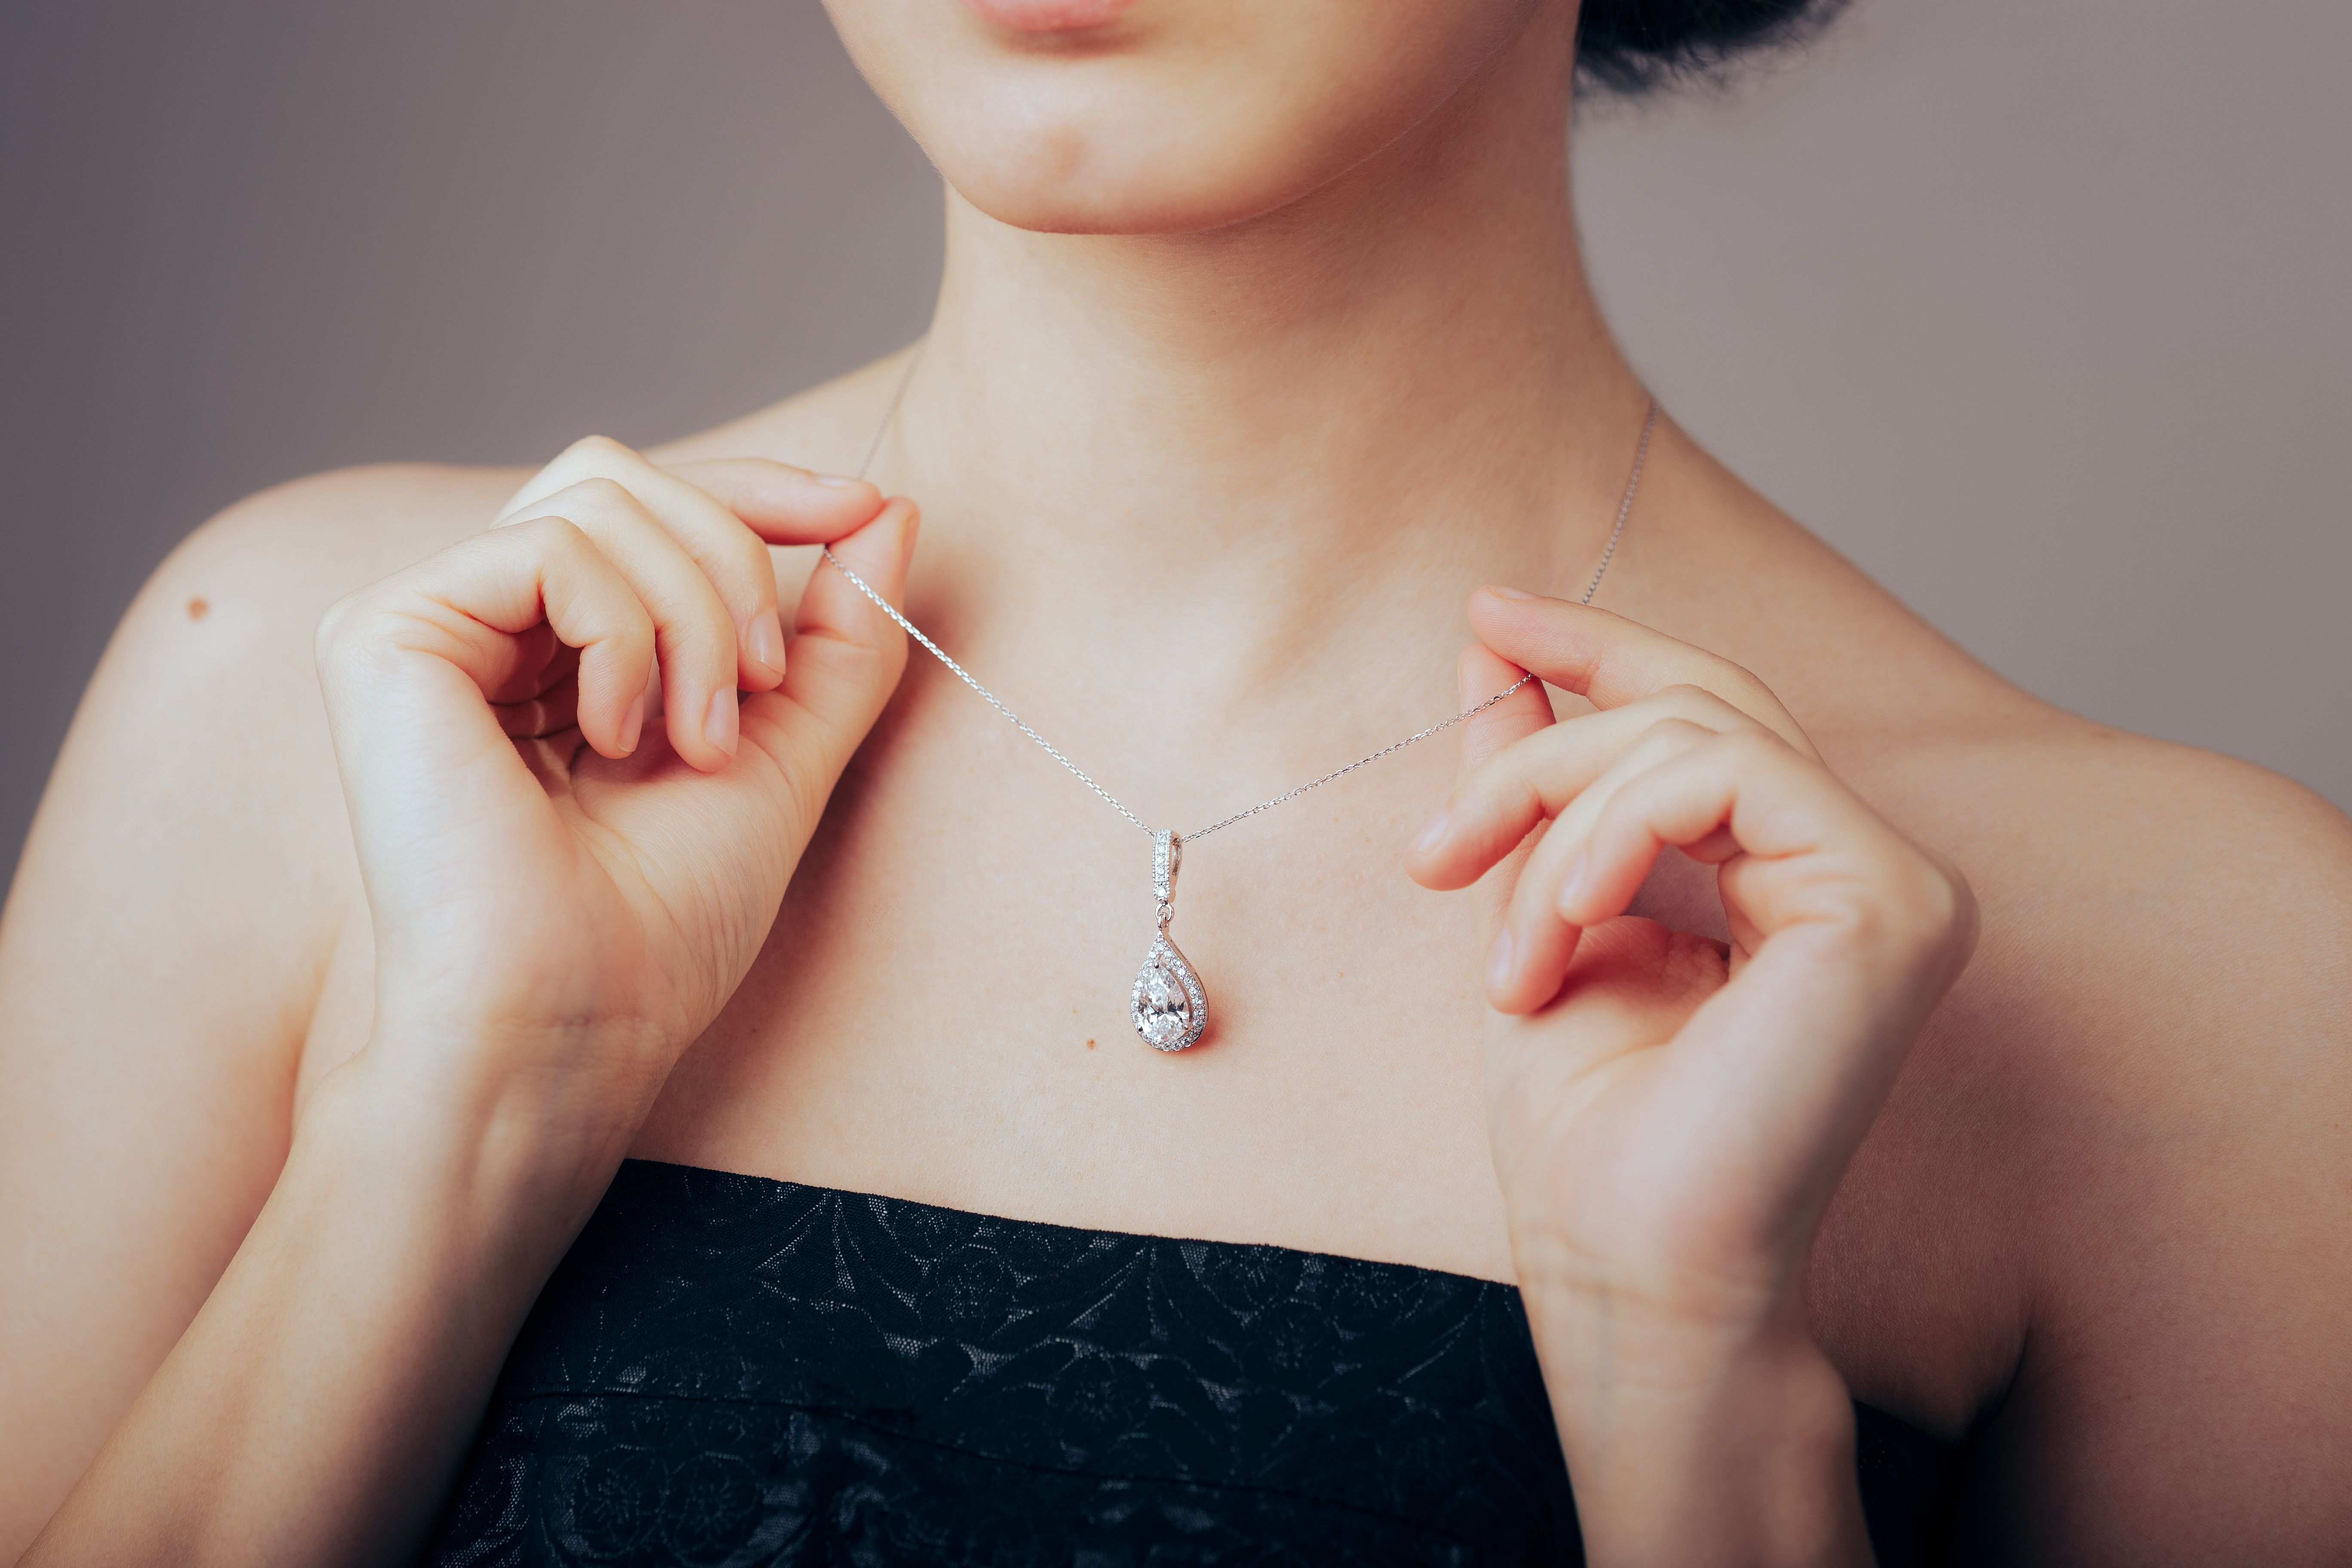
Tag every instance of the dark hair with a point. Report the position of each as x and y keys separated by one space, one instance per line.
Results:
x=1635 y=46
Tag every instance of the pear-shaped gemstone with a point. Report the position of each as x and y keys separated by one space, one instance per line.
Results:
x=1165 y=1008
x=1169 y=1007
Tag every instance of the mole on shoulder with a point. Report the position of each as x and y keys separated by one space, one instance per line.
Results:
x=196 y=608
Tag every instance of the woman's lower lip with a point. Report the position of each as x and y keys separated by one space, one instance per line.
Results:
x=1048 y=16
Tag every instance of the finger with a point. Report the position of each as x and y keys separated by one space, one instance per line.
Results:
x=1540 y=775
x=1531 y=955
x=774 y=504
x=722 y=511
x=1612 y=661
x=542 y=696
x=782 y=504
x=542 y=661
x=468 y=612
x=695 y=638
x=1803 y=850
x=1852 y=935
x=536 y=718
x=846 y=659
x=1480 y=675
x=594 y=609
x=1484 y=734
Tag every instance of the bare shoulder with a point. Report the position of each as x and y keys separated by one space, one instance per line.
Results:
x=2123 y=1141
x=264 y=569
x=218 y=641
x=196 y=783
x=231 y=612
x=2157 y=894
x=2161 y=1001
x=327 y=532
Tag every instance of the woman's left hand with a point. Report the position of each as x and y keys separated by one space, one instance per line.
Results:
x=1668 y=1118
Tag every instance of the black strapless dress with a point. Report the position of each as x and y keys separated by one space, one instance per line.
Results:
x=729 y=1370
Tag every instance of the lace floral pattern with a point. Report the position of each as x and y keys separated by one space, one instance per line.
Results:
x=732 y=1371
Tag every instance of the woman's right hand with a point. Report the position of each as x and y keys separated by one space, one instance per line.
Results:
x=564 y=890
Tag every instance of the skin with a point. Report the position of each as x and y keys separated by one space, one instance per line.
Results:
x=1216 y=436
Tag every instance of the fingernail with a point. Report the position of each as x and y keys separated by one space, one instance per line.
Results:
x=1498 y=962
x=765 y=642
x=1431 y=832
x=718 y=724
x=1500 y=592
x=1572 y=886
x=633 y=722
x=837 y=481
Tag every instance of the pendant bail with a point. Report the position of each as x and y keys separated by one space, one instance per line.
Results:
x=1167 y=855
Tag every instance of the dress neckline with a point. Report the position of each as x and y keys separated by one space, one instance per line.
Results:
x=1035 y=1226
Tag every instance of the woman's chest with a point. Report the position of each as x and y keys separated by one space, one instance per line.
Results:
x=943 y=1012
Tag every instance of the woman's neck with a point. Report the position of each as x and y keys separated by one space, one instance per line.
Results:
x=1326 y=423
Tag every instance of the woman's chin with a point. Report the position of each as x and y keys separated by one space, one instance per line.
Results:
x=1093 y=185
x=1093 y=118
x=1086 y=209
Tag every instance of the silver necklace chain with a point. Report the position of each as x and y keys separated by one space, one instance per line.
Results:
x=881 y=433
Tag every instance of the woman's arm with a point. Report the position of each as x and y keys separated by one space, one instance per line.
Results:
x=552 y=921
x=161 y=950
x=315 y=1409
x=2176 y=1177
x=1669 y=1120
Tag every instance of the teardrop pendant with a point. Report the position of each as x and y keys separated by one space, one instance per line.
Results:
x=1170 y=1009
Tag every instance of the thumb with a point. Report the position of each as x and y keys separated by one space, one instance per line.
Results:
x=1485 y=672
x=844 y=660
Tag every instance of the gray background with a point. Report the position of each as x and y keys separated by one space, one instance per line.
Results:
x=2036 y=311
